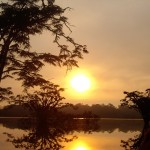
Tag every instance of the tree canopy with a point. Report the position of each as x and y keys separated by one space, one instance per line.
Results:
x=19 y=19
x=140 y=101
x=42 y=103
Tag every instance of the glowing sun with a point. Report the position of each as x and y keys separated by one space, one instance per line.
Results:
x=80 y=83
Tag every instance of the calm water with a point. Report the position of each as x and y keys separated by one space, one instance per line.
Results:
x=79 y=134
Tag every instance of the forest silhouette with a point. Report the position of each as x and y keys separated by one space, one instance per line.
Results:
x=77 y=111
x=19 y=21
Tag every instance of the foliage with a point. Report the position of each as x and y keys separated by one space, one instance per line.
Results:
x=136 y=100
x=43 y=102
x=140 y=101
x=5 y=94
x=21 y=19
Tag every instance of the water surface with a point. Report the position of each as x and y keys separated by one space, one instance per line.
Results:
x=78 y=134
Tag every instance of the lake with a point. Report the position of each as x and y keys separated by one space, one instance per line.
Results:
x=77 y=134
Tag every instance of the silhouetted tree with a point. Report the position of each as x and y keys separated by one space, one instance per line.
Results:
x=42 y=103
x=139 y=101
x=19 y=20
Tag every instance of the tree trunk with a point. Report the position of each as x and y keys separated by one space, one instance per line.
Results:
x=146 y=123
x=3 y=57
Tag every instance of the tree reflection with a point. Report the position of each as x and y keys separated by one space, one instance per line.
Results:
x=51 y=134
x=139 y=142
x=42 y=136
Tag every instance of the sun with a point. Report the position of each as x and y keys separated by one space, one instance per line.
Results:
x=80 y=148
x=80 y=83
x=80 y=145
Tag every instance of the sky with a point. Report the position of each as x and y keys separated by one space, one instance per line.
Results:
x=117 y=35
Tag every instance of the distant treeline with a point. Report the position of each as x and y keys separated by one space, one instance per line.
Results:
x=78 y=111
x=100 y=111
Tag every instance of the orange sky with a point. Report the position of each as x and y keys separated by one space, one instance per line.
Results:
x=117 y=35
